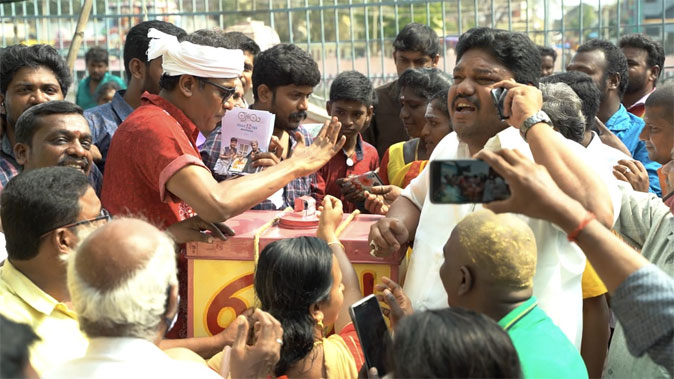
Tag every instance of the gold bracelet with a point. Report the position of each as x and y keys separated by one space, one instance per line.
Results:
x=337 y=243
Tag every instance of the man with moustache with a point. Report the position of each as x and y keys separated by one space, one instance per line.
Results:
x=283 y=79
x=29 y=75
x=487 y=59
x=154 y=169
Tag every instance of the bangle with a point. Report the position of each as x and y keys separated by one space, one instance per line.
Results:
x=574 y=234
x=337 y=243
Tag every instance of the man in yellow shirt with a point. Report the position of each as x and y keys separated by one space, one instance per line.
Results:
x=41 y=212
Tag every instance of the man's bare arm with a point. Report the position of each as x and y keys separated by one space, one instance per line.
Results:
x=216 y=202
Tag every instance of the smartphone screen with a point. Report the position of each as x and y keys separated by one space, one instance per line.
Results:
x=463 y=181
x=372 y=332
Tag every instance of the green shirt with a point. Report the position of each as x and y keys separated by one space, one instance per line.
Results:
x=87 y=100
x=544 y=350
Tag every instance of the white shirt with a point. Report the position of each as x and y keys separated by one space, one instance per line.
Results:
x=557 y=282
x=127 y=358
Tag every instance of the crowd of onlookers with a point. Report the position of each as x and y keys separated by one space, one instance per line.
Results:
x=569 y=276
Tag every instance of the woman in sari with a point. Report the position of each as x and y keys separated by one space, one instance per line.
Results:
x=308 y=284
x=404 y=161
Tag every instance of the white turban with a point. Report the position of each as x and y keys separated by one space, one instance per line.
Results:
x=186 y=58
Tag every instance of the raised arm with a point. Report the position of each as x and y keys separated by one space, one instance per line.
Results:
x=535 y=194
x=549 y=149
x=216 y=202
x=331 y=217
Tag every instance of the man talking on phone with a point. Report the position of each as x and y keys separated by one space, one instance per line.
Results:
x=487 y=59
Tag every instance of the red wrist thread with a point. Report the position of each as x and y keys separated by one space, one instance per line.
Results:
x=574 y=234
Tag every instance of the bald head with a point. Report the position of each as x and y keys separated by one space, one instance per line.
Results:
x=501 y=248
x=120 y=277
x=114 y=252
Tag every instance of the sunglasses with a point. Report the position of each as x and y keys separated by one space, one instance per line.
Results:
x=225 y=92
x=104 y=216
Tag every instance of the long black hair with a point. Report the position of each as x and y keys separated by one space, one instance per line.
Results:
x=291 y=275
x=452 y=343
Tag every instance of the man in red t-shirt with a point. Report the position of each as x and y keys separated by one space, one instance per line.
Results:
x=154 y=169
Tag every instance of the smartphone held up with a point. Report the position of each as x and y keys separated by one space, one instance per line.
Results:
x=465 y=181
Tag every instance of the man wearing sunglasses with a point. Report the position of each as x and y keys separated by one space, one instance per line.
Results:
x=154 y=169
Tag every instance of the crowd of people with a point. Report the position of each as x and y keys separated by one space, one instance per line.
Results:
x=98 y=199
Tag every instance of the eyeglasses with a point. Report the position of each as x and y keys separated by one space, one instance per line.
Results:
x=225 y=92
x=104 y=216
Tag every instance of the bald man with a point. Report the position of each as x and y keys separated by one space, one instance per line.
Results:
x=489 y=267
x=123 y=284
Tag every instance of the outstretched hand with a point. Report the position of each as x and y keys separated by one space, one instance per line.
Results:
x=326 y=144
x=392 y=294
x=195 y=229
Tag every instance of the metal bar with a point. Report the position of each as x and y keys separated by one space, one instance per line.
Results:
x=639 y=16
x=353 y=47
x=382 y=48
x=599 y=19
x=308 y=21
x=367 y=42
x=475 y=8
x=290 y=22
x=337 y=49
x=323 y=57
x=444 y=36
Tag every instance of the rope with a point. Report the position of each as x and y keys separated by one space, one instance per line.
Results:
x=270 y=223
x=261 y=230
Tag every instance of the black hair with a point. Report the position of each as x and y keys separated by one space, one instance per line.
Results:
x=425 y=82
x=16 y=57
x=96 y=54
x=36 y=202
x=615 y=61
x=29 y=122
x=656 y=54
x=417 y=37
x=204 y=37
x=352 y=86
x=14 y=355
x=441 y=96
x=283 y=65
x=452 y=343
x=513 y=50
x=583 y=85
x=104 y=88
x=546 y=51
x=137 y=41
x=291 y=275
x=662 y=97
x=243 y=42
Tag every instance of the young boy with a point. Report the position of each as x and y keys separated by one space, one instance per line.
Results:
x=351 y=101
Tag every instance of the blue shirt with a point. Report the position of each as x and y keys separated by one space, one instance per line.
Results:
x=86 y=99
x=627 y=127
x=104 y=121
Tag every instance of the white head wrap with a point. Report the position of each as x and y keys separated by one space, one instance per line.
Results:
x=186 y=58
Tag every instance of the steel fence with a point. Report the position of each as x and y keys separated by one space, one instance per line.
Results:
x=345 y=34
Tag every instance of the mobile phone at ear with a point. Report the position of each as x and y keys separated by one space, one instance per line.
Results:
x=498 y=95
x=372 y=332
x=465 y=181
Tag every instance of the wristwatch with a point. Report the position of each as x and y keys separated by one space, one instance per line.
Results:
x=539 y=116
